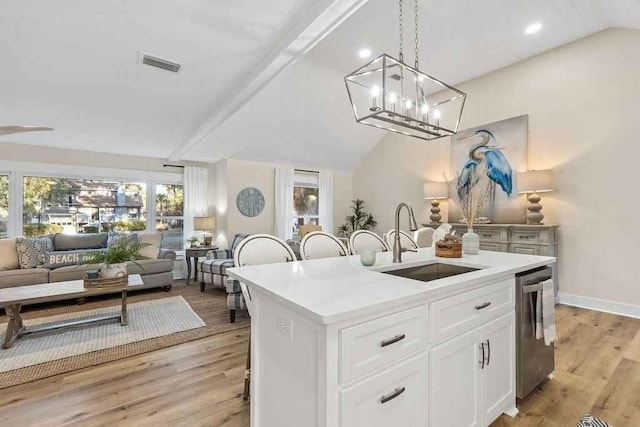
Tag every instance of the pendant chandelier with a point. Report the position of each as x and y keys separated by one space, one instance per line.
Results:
x=389 y=94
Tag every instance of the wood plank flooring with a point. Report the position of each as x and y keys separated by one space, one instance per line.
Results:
x=200 y=383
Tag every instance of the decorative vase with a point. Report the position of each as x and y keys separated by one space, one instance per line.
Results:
x=470 y=242
x=368 y=257
x=114 y=271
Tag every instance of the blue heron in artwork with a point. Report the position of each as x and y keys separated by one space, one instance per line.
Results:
x=486 y=158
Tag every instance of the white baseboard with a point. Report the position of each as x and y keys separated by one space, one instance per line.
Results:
x=600 y=305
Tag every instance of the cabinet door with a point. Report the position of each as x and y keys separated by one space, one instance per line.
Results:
x=498 y=375
x=455 y=381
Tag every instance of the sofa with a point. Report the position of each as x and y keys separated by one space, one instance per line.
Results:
x=61 y=259
x=213 y=270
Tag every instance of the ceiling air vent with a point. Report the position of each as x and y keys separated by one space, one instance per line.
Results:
x=157 y=62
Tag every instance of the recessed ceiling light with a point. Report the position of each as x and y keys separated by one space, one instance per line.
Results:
x=533 y=28
x=364 y=53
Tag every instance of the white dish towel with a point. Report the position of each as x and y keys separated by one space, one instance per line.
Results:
x=545 y=313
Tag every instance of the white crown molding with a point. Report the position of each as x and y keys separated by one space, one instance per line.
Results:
x=310 y=23
x=606 y=306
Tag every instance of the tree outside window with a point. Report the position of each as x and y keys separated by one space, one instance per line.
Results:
x=170 y=215
x=4 y=205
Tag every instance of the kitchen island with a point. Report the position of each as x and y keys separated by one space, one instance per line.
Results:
x=339 y=344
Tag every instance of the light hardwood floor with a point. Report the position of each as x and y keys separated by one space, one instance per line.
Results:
x=200 y=383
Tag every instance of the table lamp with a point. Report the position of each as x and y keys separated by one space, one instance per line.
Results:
x=434 y=191
x=206 y=224
x=532 y=183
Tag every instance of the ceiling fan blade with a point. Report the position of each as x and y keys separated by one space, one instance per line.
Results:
x=6 y=130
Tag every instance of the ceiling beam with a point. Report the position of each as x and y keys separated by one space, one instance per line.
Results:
x=311 y=21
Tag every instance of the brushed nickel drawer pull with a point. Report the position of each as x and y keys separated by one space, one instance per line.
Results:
x=393 y=340
x=397 y=392
x=488 y=236
x=483 y=305
x=488 y=352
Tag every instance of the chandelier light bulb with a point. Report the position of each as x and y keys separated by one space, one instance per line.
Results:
x=436 y=114
x=425 y=108
x=375 y=91
x=408 y=104
x=392 y=98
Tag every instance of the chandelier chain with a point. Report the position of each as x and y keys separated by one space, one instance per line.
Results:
x=416 y=29
x=401 y=56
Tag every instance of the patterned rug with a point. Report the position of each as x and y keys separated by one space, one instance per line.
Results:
x=157 y=320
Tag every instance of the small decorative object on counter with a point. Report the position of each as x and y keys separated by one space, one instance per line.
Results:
x=449 y=247
x=368 y=257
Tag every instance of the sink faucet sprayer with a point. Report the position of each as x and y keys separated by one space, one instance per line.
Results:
x=413 y=226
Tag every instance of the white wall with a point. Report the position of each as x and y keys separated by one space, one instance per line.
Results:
x=583 y=101
x=231 y=176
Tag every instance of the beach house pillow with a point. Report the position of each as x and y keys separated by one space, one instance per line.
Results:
x=153 y=240
x=8 y=254
x=117 y=237
x=31 y=250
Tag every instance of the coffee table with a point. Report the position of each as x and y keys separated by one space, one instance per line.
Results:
x=12 y=299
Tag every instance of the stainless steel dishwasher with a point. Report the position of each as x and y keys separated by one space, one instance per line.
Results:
x=534 y=360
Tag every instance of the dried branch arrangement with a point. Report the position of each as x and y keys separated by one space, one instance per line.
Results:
x=475 y=196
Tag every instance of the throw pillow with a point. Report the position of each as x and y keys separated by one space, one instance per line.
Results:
x=31 y=250
x=72 y=242
x=8 y=254
x=57 y=259
x=116 y=237
x=154 y=240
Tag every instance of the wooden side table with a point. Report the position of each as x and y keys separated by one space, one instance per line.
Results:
x=194 y=254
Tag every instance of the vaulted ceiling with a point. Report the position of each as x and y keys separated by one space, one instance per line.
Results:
x=73 y=65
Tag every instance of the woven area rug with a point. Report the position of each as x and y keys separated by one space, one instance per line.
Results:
x=170 y=318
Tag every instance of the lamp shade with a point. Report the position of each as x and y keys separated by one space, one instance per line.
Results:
x=436 y=190
x=204 y=223
x=535 y=181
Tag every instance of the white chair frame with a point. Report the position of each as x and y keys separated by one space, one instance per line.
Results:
x=310 y=238
x=406 y=241
x=353 y=245
x=237 y=259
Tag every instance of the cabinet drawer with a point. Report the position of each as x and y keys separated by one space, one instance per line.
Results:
x=375 y=344
x=490 y=246
x=456 y=314
x=397 y=397
x=524 y=249
x=489 y=235
x=525 y=236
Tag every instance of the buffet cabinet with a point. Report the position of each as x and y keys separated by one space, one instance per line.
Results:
x=516 y=238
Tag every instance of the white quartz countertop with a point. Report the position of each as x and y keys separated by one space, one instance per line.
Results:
x=337 y=289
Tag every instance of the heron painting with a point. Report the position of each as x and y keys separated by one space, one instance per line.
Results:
x=484 y=160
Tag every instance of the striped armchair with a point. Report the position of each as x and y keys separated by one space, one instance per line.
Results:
x=213 y=270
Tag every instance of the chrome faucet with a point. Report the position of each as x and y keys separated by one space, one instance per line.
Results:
x=413 y=226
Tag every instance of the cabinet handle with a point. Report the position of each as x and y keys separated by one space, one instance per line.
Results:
x=483 y=305
x=481 y=362
x=393 y=340
x=387 y=397
x=488 y=352
x=488 y=236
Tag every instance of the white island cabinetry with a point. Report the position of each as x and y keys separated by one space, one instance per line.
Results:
x=337 y=344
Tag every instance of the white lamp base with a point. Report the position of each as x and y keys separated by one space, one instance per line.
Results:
x=534 y=216
x=435 y=212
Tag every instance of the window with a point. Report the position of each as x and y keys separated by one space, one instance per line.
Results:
x=170 y=215
x=73 y=206
x=305 y=199
x=4 y=205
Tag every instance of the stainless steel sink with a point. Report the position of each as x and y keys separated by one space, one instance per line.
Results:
x=427 y=273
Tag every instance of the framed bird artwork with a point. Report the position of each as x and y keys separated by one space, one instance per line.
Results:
x=493 y=153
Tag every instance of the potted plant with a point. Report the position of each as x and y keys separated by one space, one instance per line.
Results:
x=360 y=220
x=193 y=241
x=113 y=261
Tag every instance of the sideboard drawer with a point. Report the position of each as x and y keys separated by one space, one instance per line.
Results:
x=524 y=249
x=398 y=397
x=488 y=235
x=456 y=314
x=373 y=345
x=525 y=237
x=492 y=246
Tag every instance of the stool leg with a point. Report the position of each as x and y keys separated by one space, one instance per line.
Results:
x=232 y=316
x=247 y=373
